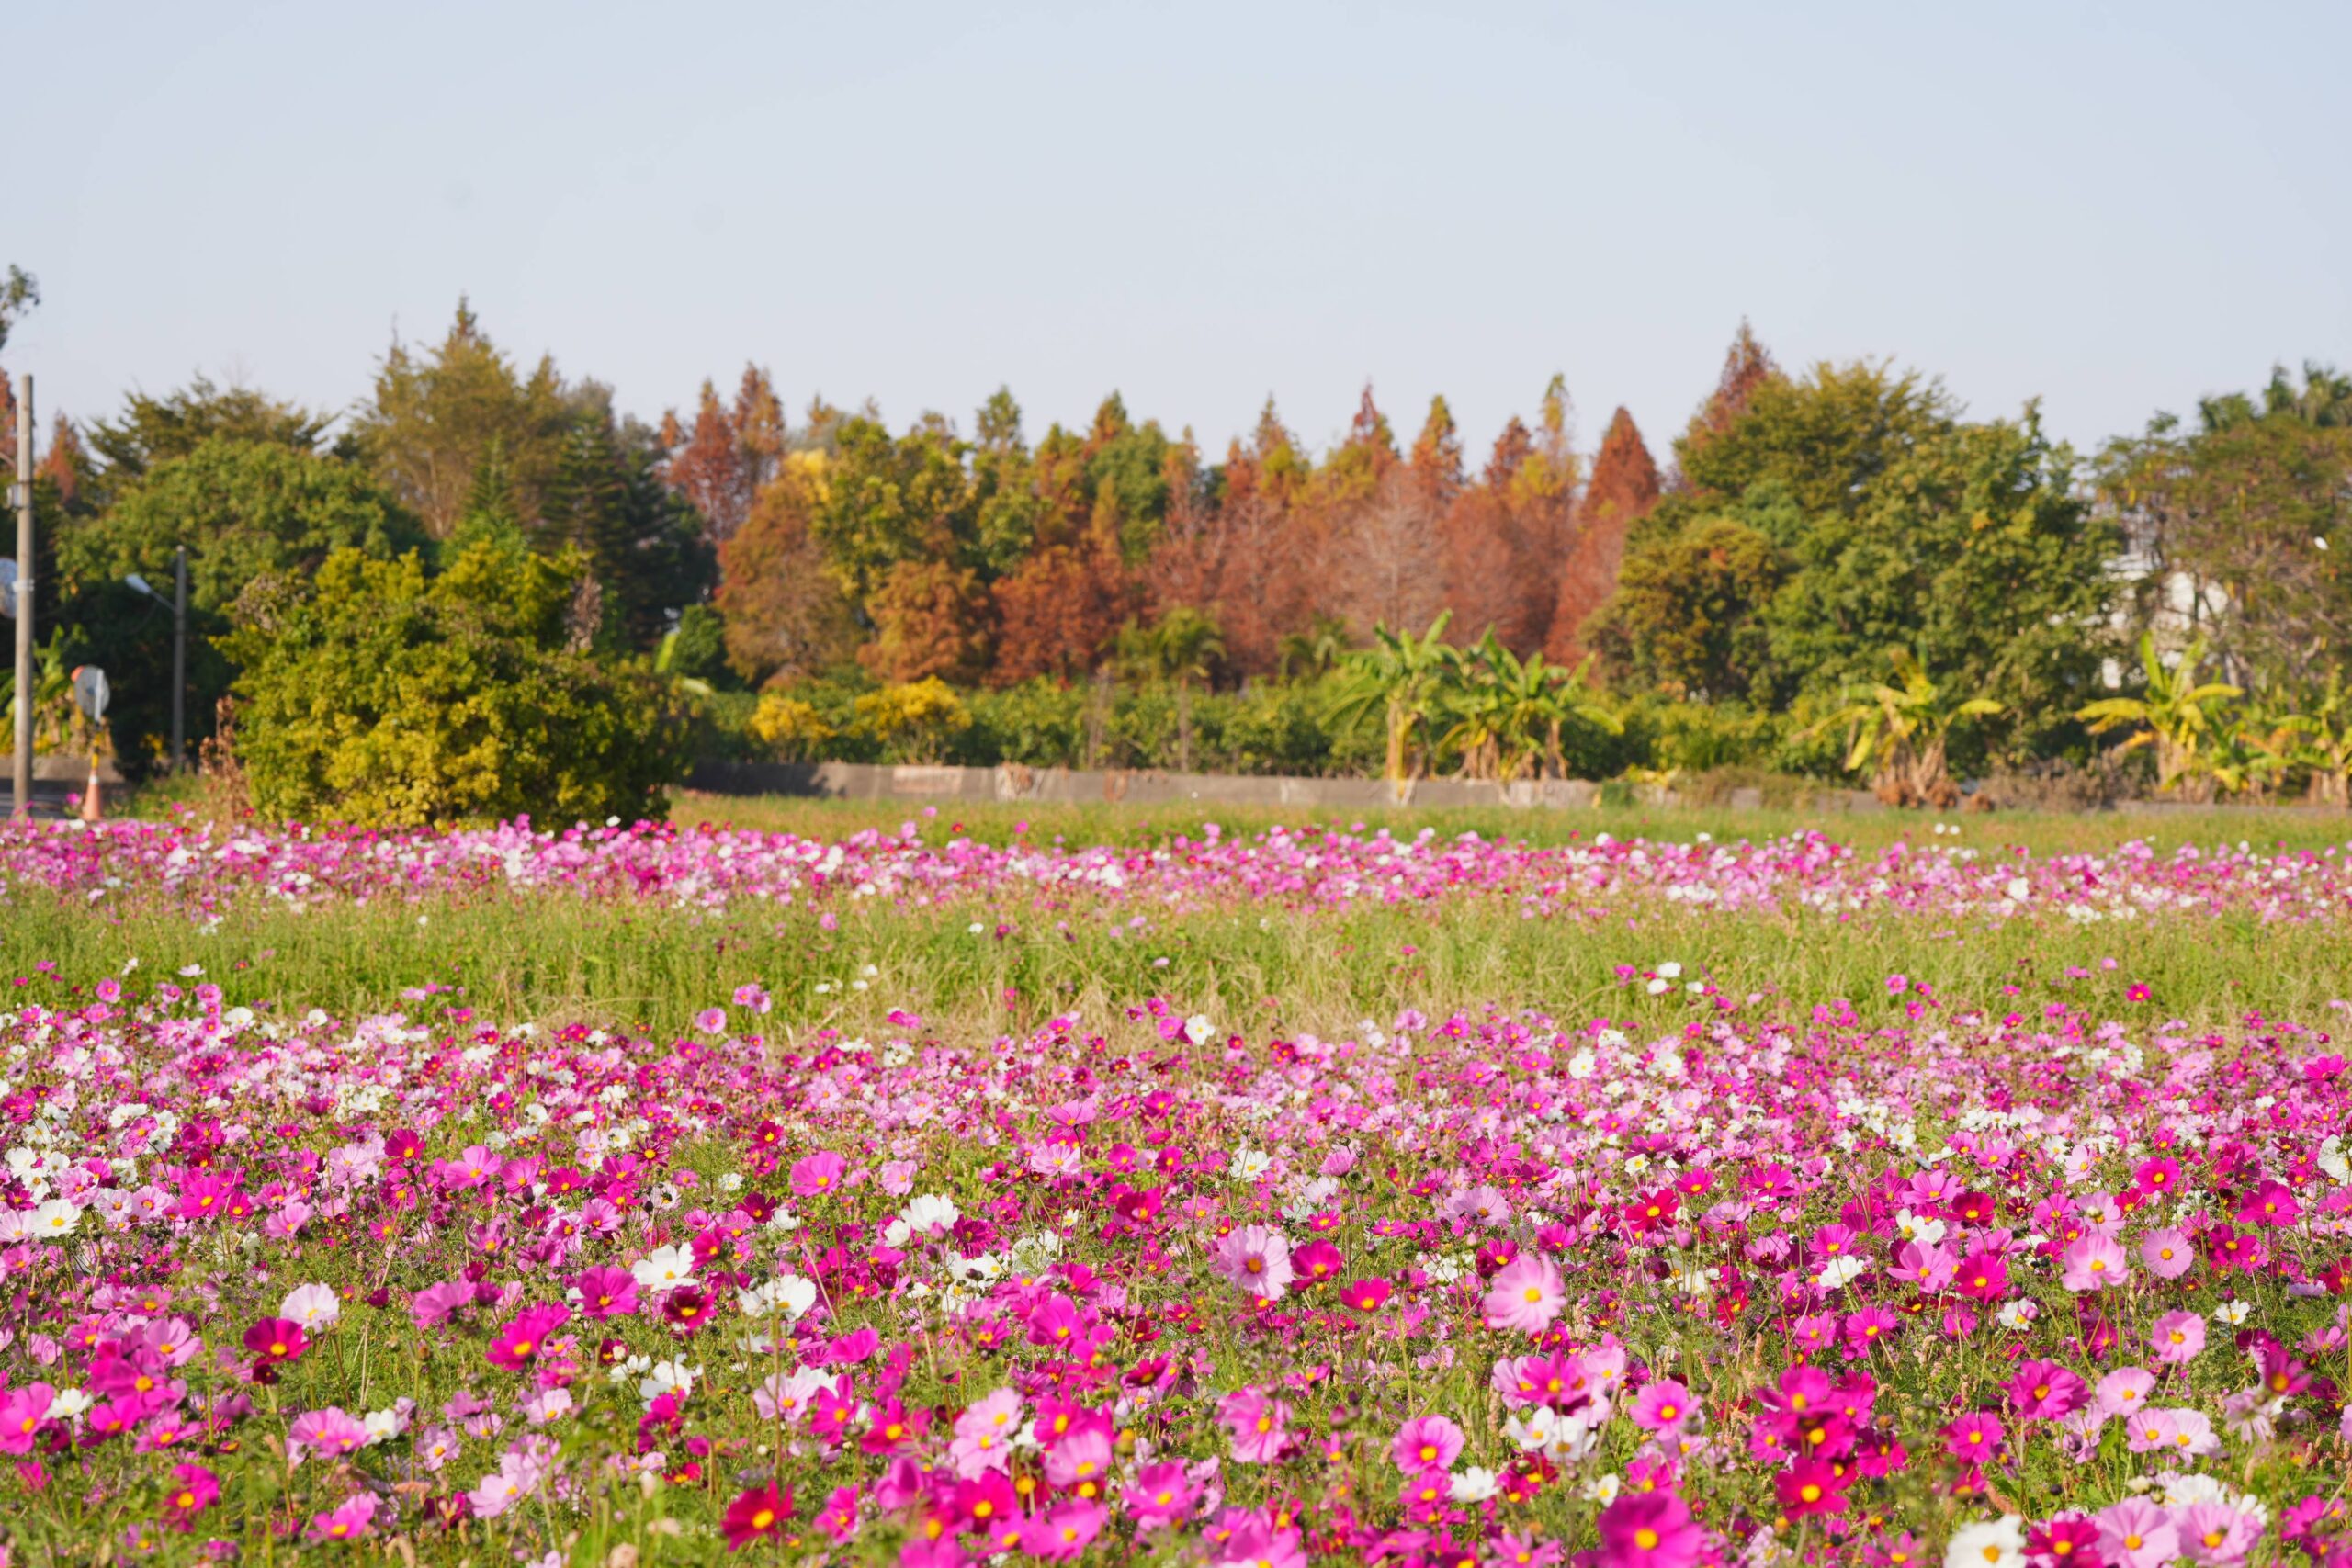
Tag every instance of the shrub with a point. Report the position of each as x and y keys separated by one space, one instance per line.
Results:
x=913 y=721
x=790 y=729
x=378 y=694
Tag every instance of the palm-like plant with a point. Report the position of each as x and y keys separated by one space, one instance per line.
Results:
x=1509 y=711
x=2321 y=740
x=54 y=709
x=1901 y=730
x=1183 y=647
x=2177 y=714
x=1402 y=678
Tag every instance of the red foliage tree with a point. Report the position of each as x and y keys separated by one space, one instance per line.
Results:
x=786 y=613
x=1059 y=610
x=1624 y=487
x=1748 y=364
x=930 y=618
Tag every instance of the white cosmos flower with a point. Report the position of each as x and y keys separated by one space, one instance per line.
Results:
x=664 y=1269
x=2000 y=1543
x=1843 y=1270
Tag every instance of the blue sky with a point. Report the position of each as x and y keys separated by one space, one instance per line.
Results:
x=2116 y=207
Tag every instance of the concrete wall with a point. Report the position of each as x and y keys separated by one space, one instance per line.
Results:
x=1064 y=786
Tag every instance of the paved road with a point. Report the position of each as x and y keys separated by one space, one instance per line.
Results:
x=50 y=797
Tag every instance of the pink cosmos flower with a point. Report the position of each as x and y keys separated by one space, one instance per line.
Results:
x=1256 y=1543
x=815 y=1176
x=526 y=1335
x=347 y=1521
x=2093 y=1262
x=2124 y=1392
x=1663 y=1406
x=1257 y=1258
x=2044 y=1390
x=1259 y=1425
x=2177 y=1337
x=711 y=1020
x=1649 y=1530
x=2271 y=1204
x=22 y=1410
x=1973 y=1438
x=2167 y=1252
x=2136 y=1533
x=605 y=1291
x=1159 y=1495
x=1426 y=1442
x=1526 y=1295
x=327 y=1431
x=1063 y=1531
x=193 y=1490
x=2215 y=1533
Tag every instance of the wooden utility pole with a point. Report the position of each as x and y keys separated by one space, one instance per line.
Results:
x=24 y=778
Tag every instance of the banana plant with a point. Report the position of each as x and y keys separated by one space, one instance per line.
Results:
x=1509 y=711
x=53 y=710
x=1404 y=679
x=2321 y=742
x=2176 y=714
x=1901 y=730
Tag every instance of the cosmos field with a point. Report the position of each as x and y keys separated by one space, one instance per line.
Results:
x=862 y=1192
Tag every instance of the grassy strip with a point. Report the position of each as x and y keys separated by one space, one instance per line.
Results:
x=554 y=959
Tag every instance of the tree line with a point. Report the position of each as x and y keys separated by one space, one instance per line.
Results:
x=1809 y=536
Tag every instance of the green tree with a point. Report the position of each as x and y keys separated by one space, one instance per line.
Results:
x=245 y=511
x=644 y=543
x=2242 y=524
x=1510 y=712
x=376 y=693
x=1687 y=614
x=433 y=416
x=889 y=500
x=20 y=292
x=152 y=430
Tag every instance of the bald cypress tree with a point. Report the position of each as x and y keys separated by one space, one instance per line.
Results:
x=1624 y=487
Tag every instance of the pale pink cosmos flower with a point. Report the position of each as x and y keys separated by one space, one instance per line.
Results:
x=1259 y=1425
x=2124 y=1392
x=2169 y=1252
x=2216 y=1533
x=2177 y=1337
x=2151 y=1431
x=1256 y=1258
x=2136 y=1533
x=1527 y=1294
x=2094 y=1262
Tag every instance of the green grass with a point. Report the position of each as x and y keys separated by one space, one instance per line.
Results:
x=553 y=958
x=2042 y=832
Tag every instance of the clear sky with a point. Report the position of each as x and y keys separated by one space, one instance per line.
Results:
x=2114 y=206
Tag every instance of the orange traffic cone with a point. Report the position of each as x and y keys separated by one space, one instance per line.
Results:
x=92 y=807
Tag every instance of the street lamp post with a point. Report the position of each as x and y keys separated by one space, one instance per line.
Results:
x=179 y=660
x=178 y=602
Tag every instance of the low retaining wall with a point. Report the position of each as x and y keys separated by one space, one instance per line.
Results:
x=1069 y=786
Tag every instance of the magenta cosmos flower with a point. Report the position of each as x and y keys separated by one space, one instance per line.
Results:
x=1649 y=1530
x=1426 y=1442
